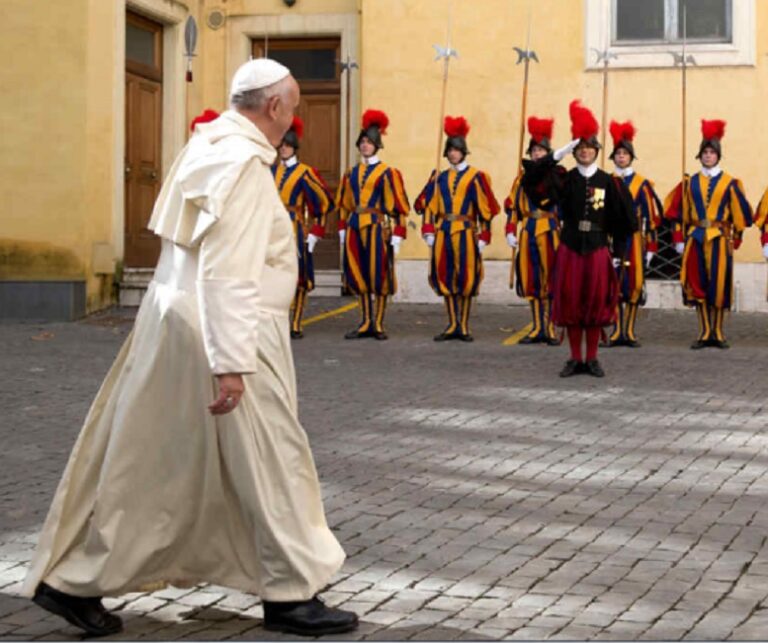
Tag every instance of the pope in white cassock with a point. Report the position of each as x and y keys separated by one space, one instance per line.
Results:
x=192 y=465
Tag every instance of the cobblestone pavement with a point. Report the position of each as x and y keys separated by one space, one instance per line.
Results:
x=478 y=495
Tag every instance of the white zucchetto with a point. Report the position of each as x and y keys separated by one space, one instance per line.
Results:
x=256 y=74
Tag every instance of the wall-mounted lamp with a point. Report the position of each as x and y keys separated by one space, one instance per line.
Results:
x=289 y=3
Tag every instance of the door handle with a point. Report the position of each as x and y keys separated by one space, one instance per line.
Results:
x=127 y=170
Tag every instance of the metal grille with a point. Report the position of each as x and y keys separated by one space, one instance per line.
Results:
x=665 y=264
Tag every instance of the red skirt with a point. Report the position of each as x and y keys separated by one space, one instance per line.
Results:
x=584 y=288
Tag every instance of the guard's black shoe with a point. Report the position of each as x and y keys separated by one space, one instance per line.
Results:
x=86 y=613
x=612 y=343
x=307 y=618
x=553 y=341
x=698 y=344
x=530 y=339
x=594 y=368
x=380 y=335
x=466 y=337
x=633 y=343
x=572 y=367
x=296 y=334
x=358 y=334
x=720 y=343
x=445 y=336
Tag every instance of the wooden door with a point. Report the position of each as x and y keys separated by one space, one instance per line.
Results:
x=314 y=64
x=143 y=130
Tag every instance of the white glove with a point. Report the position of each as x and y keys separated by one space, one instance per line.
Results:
x=616 y=263
x=649 y=254
x=511 y=240
x=312 y=242
x=396 y=241
x=481 y=245
x=680 y=247
x=560 y=154
x=765 y=250
x=342 y=235
x=429 y=239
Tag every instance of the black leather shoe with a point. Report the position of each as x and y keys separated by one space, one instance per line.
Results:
x=528 y=339
x=307 y=618
x=358 y=334
x=612 y=343
x=296 y=334
x=553 y=341
x=446 y=336
x=86 y=613
x=633 y=343
x=720 y=343
x=466 y=337
x=594 y=368
x=380 y=335
x=572 y=367
x=698 y=345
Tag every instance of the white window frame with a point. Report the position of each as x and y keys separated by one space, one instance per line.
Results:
x=600 y=20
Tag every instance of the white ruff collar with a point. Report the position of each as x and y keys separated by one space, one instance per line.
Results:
x=290 y=162
x=587 y=170
x=624 y=172
x=371 y=160
x=711 y=172
x=460 y=167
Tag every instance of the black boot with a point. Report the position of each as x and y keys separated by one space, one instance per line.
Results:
x=307 y=618
x=594 y=368
x=86 y=613
x=572 y=367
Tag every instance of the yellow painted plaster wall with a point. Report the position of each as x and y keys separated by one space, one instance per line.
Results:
x=215 y=82
x=401 y=77
x=56 y=148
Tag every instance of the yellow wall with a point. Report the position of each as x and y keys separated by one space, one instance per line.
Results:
x=401 y=77
x=56 y=148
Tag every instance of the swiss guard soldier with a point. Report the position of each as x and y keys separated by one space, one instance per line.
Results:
x=534 y=231
x=457 y=211
x=711 y=217
x=597 y=212
x=643 y=244
x=761 y=221
x=373 y=210
x=308 y=201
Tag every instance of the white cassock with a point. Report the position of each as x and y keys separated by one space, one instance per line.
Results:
x=157 y=490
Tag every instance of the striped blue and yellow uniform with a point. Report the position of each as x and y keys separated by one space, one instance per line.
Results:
x=537 y=231
x=459 y=214
x=372 y=206
x=761 y=218
x=711 y=216
x=648 y=208
x=308 y=201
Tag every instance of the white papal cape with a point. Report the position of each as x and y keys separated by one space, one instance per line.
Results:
x=157 y=490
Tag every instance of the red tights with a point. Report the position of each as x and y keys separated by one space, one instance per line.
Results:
x=574 y=339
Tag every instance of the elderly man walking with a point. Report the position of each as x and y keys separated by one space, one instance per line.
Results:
x=192 y=465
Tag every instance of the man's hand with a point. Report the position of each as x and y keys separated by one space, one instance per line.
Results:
x=429 y=239
x=342 y=235
x=481 y=245
x=679 y=247
x=511 y=240
x=561 y=153
x=649 y=254
x=312 y=241
x=396 y=241
x=616 y=263
x=231 y=389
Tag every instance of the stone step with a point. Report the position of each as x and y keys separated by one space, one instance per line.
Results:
x=327 y=283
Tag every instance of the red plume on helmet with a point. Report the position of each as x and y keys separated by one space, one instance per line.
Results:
x=375 y=118
x=712 y=130
x=298 y=126
x=540 y=129
x=456 y=126
x=583 y=122
x=622 y=132
x=206 y=117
